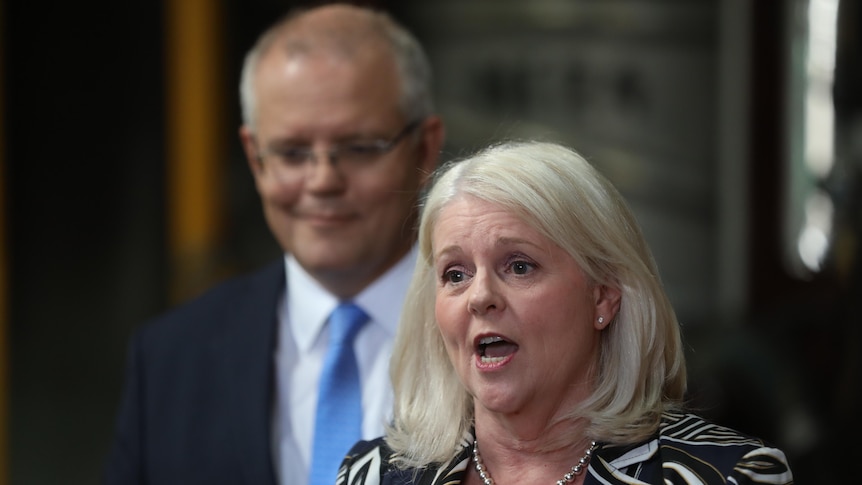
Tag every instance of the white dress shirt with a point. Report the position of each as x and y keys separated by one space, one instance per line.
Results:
x=303 y=337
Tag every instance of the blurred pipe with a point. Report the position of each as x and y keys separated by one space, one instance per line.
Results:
x=195 y=155
x=4 y=288
x=733 y=158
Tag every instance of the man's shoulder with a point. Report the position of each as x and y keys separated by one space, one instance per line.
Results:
x=226 y=301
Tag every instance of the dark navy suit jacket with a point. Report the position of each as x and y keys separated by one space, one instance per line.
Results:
x=198 y=394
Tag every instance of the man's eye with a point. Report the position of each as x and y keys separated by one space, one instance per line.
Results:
x=361 y=151
x=293 y=156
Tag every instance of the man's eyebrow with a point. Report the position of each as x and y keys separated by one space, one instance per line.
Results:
x=288 y=141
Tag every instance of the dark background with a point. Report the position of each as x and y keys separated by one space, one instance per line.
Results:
x=86 y=198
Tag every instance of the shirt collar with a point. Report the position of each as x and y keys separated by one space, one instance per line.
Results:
x=622 y=456
x=309 y=304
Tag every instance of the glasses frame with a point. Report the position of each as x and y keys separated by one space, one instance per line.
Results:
x=372 y=149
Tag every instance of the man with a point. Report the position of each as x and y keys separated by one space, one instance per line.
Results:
x=340 y=136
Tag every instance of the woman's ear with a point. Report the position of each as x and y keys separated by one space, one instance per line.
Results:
x=607 y=301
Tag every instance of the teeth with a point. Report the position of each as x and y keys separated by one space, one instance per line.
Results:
x=484 y=342
x=490 y=340
x=491 y=360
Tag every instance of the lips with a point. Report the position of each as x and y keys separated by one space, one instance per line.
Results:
x=326 y=217
x=494 y=349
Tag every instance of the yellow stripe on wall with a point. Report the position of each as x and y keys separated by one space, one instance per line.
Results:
x=195 y=153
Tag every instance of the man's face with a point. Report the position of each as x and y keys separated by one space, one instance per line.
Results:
x=345 y=222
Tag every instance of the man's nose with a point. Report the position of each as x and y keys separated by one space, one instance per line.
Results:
x=322 y=172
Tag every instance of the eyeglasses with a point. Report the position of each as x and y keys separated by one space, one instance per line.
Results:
x=288 y=160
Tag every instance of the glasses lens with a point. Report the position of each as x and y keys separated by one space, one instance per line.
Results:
x=361 y=152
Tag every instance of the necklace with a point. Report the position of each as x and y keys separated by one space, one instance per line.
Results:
x=568 y=477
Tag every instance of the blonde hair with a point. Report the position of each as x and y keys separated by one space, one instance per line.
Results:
x=641 y=368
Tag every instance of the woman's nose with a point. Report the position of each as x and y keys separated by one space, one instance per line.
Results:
x=484 y=294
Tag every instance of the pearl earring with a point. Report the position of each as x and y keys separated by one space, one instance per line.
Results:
x=601 y=319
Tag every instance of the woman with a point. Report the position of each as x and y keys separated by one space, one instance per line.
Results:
x=537 y=344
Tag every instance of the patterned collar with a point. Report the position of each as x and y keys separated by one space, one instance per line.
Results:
x=611 y=459
x=685 y=449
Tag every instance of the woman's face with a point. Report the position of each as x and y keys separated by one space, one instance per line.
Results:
x=517 y=315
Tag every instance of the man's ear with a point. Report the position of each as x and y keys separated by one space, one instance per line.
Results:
x=246 y=137
x=433 y=135
x=607 y=300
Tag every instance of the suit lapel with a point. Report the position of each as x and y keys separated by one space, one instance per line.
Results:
x=248 y=344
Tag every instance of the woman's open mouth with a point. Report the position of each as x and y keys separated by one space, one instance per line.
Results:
x=494 y=349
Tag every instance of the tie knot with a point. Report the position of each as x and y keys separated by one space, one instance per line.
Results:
x=345 y=322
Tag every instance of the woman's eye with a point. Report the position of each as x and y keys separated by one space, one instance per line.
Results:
x=521 y=267
x=453 y=276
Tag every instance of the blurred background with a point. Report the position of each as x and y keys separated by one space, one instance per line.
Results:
x=733 y=127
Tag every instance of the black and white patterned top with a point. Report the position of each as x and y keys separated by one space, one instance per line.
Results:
x=686 y=450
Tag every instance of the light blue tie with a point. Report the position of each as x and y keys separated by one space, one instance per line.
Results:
x=338 y=422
